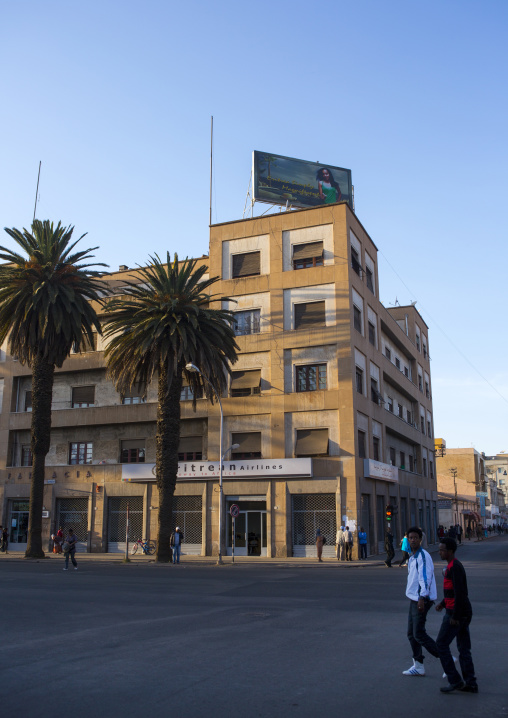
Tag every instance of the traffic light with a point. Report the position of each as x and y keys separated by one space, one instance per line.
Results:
x=389 y=512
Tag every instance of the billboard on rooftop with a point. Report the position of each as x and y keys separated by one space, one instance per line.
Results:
x=298 y=183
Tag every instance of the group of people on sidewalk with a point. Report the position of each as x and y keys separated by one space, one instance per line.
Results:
x=422 y=593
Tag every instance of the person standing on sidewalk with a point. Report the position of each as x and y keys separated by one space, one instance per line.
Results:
x=4 y=538
x=362 y=543
x=421 y=591
x=319 y=544
x=69 y=549
x=390 y=553
x=348 y=541
x=406 y=550
x=340 y=544
x=176 y=542
x=455 y=623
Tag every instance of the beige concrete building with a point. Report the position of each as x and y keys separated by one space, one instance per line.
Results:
x=330 y=404
x=460 y=477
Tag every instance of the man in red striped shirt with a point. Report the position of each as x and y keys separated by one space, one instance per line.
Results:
x=455 y=622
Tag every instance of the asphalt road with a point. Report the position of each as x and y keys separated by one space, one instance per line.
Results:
x=246 y=640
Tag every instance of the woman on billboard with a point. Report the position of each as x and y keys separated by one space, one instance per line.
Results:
x=329 y=190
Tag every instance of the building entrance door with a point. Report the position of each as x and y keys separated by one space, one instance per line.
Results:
x=250 y=528
x=18 y=525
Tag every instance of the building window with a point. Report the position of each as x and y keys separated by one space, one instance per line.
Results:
x=357 y=318
x=429 y=433
x=388 y=353
x=392 y=456
x=427 y=390
x=311 y=442
x=247 y=322
x=374 y=391
x=409 y=417
x=372 y=334
x=420 y=382
x=26 y=455
x=418 y=342
x=80 y=452
x=403 y=460
x=134 y=395
x=28 y=401
x=361 y=444
x=355 y=261
x=411 y=462
x=246 y=383
x=308 y=255
x=422 y=424
x=370 y=279
x=186 y=394
x=359 y=380
x=311 y=377
x=83 y=396
x=406 y=371
x=397 y=362
x=390 y=404
x=431 y=469
x=424 y=350
x=246 y=265
x=133 y=451
x=310 y=315
x=375 y=443
x=190 y=448
x=424 y=466
x=249 y=445
x=401 y=411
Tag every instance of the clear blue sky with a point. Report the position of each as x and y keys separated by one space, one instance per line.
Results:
x=115 y=98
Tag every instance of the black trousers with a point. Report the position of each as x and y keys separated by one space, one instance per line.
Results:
x=416 y=633
x=446 y=635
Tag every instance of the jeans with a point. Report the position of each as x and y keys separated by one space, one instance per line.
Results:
x=71 y=554
x=446 y=635
x=416 y=632
x=349 y=551
x=176 y=553
x=363 y=550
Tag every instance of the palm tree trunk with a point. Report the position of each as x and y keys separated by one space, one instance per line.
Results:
x=167 y=440
x=42 y=392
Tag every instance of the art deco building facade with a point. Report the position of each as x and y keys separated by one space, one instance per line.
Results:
x=329 y=403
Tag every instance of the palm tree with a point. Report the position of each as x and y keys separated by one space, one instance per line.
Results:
x=45 y=310
x=163 y=323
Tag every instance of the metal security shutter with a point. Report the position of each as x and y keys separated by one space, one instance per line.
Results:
x=188 y=515
x=307 y=251
x=72 y=514
x=135 y=390
x=311 y=314
x=311 y=512
x=246 y=265
x=311 y=442
x=83 y=395
x=190 y=444
x=249 y=442
x=117 y=520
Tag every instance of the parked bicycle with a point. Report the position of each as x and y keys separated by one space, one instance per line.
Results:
x=147 y=547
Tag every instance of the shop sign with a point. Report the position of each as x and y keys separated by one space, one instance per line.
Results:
x=377 y=470
x=244 y=468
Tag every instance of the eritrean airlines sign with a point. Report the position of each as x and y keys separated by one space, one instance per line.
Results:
x=202 y=470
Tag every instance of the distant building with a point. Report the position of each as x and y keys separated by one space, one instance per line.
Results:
x=330 y=404
x=496 y=468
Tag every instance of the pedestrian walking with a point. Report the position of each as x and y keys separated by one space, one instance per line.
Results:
x=69 y=549
x=390 y=553
x=5 y=539
x=176 y=541
x=348 y=543
x=340 y=544
x=319 y=544
x=425 y=543
x=458 y=615
x=58 y=541
x=421 y=591
x=362 y=543
x=406 y=550
x=459 y=533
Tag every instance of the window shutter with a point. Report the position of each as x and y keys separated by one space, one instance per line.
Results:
x=246 y=265
x=135 y=390
x=311 y=442
x=246 y=379
x=311 y=314
x=133 y=444
x=83 y=395
x=249 y=442
x=28 y=400
x=190 y=444
x=307 y=251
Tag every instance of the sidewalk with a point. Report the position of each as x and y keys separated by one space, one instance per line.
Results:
x=118 y=558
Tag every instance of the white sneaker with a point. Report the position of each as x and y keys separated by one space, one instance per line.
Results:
x=417 y=669
x=65 y=569
x=75 y=568
x=455 y=661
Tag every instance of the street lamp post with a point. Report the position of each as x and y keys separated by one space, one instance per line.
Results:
x=193 y=369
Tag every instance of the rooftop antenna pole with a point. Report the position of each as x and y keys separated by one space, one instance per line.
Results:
x=211 y=167
x=37 y=190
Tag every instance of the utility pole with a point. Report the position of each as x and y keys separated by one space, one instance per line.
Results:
x=454 y=472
